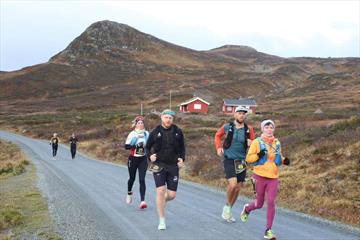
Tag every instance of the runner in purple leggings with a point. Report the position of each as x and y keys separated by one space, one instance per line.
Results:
x=265 y=155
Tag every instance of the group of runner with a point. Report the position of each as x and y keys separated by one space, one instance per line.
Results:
x=235 y=142
x=164 y=149
x=54 y=143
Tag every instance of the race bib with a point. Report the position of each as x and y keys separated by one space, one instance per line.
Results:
x=240 y=166
x=140 y=151
x=155 y=168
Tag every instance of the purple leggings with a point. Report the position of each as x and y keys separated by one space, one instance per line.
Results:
x=270 y=187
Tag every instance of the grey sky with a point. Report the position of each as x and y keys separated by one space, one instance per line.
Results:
x=33 y=31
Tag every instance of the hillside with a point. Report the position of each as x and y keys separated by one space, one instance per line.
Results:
x=109 y=62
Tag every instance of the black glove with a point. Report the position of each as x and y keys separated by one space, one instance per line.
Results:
x=261 y=153
x=286 y=161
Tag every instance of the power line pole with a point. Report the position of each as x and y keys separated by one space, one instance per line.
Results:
x=170 y=99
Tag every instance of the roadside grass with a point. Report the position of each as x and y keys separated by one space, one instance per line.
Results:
x=12 y=161
x=324 y=175
x=23 y=211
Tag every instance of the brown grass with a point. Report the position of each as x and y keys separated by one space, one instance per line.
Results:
x=23 y=211
x=12 y=161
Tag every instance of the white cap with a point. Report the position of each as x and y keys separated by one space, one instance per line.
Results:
x=265 y=122
x=241 y=109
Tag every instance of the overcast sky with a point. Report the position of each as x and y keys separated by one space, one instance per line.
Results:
x=33 y=31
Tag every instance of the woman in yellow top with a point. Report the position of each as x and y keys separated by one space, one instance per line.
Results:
x=265 y=155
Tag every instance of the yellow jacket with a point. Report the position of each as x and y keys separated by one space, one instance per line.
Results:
x=268 y=169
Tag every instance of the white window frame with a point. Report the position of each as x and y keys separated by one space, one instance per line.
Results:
x=197 y=106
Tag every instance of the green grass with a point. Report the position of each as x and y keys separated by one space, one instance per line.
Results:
x=10 y=217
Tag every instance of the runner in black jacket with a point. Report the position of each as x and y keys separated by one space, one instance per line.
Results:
x=73 y=143
x=166 y=151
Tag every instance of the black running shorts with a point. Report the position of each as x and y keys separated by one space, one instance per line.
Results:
x=229 y=168
x=169 y=175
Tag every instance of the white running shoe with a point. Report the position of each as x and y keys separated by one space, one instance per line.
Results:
x=162 y=224
x=231 y=219
x=129 y=199
x=227 y=215
x=226 y=212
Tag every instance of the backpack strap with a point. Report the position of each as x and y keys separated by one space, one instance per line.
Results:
x=278 y=160
x=247 y=136
x=229 y=135
x=264 y=159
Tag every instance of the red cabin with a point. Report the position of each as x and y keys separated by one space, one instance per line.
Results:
x=195 y=104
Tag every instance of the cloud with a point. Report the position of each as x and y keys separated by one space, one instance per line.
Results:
x=295 y=21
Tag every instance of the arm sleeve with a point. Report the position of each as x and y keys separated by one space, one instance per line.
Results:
x=252 y=155
x=218 y=136
x=182 y=146
x=252 y=134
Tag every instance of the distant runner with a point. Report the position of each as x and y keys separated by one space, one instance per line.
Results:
x=73 y=143
x=54 y=141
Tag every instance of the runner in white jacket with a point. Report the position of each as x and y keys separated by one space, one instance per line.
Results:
x=136 y=142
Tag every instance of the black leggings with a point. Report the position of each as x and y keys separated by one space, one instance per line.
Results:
x=73 y=150
x=135 y=163
x=54 y=149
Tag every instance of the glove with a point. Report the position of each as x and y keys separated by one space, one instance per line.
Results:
x=261 y=153
x=286 y=161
